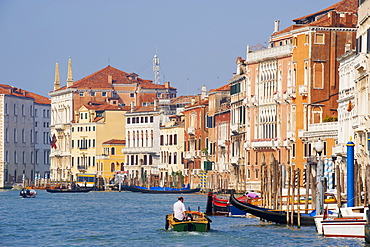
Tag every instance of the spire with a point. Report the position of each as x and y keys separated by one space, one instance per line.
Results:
x=69 y=76
x=57 y=77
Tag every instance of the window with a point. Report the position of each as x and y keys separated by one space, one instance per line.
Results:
x=15 y=135
x=151 y=119
x=112 y=167
x=22 y=110
x=6 y=108
x=104 y=94
x=92 y=93
x=128 y=120
x=15 y=110
x=23 y=136
x=114 y=95
x=81 y=94
x=15 y=157
x=319 y=38
x=132 y=95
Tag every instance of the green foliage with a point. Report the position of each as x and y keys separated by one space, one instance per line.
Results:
x=329 y=119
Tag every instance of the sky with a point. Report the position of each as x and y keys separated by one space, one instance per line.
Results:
x=197 y=41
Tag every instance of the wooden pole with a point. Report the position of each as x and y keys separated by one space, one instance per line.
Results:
x=313 y=189
x=338 y=186
x=299 y=198
x=288 y=195
x=308 y=182
x=367 y=182
x=293 y=195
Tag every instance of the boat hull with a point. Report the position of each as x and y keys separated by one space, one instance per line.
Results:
x=279 y=217
x=199 y=223
x=69 y=190
x=342 y=227
x=184 y=191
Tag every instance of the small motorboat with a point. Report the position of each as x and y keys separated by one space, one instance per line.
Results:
x=27 y=193
x=194 y=221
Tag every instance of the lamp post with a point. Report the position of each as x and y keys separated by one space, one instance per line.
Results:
x=319 y=147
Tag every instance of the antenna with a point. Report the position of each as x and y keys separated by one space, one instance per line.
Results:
x=157 y=76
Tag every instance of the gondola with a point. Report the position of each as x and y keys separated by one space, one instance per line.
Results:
x=161 y=191
x=279 y=217
x=79 y=190
x=27 y=193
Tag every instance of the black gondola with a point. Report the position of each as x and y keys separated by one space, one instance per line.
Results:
x=157 y=191
x=80 y=190
x=279 y=217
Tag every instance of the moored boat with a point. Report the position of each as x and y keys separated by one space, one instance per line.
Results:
x=194 y=221
x=350 y=224
x=276 y=216
x=77 y=190
x=160 y=190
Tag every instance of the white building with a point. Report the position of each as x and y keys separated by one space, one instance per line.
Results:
x=24 y=138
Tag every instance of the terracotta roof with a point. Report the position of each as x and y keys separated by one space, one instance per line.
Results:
x=97 y=119
x=183 y=99
x=223 y=88
x=99 y=80
x=9 y=90
x=342 y=6
x=114 y=141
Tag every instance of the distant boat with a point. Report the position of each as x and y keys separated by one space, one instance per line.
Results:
x=27 y=193
x=221 y=206
x=279 y=217
x=78 y=190
x=161 y=190
x=194 y=221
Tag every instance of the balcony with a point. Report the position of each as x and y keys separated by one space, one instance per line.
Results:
x=140 y=150
x=290 y=134
x=59 y=127
x=264 y=143
x=234 y=127
x=82 y=168
x=269 y=53
x=303 y=90
x=340 y=149
x=102 y=157
x=221 y=142
x=234 y=160
x=191 y=130
x=246 y=145
x=189 y=155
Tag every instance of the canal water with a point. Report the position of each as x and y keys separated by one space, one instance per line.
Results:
x=133 y=219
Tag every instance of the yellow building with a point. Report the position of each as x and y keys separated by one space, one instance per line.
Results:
x=94 y=127
x=111 y=161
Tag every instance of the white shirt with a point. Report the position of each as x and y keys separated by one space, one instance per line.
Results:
x=178 y=209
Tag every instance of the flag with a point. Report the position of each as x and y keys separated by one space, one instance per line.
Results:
x=53 y=142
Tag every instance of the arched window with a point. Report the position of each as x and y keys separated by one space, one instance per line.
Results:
x=122 y=166
x=112 y=167
x=113 y=151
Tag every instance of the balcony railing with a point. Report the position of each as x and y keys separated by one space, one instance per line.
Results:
x=303 y=90
x=234 y=160
x=82 y=167
x=234 y=127
x=191 y=130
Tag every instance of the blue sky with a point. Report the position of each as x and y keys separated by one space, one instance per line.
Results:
x=197 y=41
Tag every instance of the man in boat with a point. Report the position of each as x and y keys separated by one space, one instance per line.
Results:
x=179 y=209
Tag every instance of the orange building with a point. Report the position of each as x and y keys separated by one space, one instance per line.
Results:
x=318 y=40
x=195 y=140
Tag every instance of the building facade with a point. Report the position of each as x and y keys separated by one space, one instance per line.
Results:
x=25 y=139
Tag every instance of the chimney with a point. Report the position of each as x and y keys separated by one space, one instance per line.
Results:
x=204 y=92
x=348 y=19
x=132 y=106
x=155 y=104
x=167 y=84
x=276 y=26
x=193 y=101
x=110 y=79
